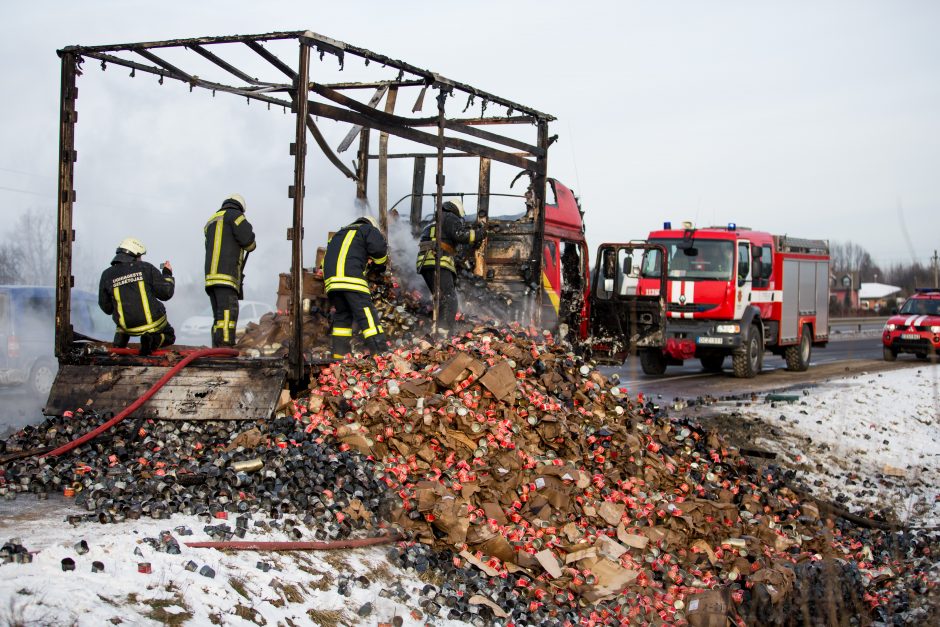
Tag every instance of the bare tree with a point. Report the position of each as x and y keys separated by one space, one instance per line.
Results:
x=852 y=258
x=28 y=254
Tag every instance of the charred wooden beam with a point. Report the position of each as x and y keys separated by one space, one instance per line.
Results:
x=417 y=195
x=68 y=115
x=295 y=356
x=345 y=115
x=351 y=135
x=198 y=82
x=433 y=155
x=225 y=65
x=271 y=58
x=383 y=164
x=325 y=147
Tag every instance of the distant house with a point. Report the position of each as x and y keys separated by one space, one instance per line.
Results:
x=878 y=296
x=843 y=292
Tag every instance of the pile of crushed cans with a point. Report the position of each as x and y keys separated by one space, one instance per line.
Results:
x=539 y=490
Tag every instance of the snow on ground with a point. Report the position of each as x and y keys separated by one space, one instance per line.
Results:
x=874 y=438
x=300 y=589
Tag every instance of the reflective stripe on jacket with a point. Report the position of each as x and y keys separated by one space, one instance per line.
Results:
x=347 y=254
x=455 y=231
x=130 y=291
x=229 y=237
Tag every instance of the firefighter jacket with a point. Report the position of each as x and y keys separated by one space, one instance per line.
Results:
x=455 y=231
x=229 y=237
x=348 y=252
x=130 y=291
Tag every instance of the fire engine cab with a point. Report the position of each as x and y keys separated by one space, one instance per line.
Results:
x=728 y=291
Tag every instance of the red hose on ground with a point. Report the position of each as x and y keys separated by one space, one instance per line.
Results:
x=295 y=546
x=169 y=374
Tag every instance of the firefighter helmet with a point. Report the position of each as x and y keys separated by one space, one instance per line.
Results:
x=240 y=200
x=454 y=206
x=132 y=246
x=368 y=220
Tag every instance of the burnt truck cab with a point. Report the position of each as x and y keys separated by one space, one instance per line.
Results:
x=509 y=263
x=733 y=291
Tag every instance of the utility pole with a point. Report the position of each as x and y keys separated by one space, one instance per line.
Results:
x=936 y=270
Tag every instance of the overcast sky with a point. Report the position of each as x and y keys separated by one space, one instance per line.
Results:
x=818 y=119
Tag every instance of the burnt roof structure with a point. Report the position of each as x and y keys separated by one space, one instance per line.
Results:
x=227 y=65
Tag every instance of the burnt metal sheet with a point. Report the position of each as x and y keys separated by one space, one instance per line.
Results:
x=195 y=393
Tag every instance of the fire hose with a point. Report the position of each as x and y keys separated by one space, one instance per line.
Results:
x=296 y=546
x=169 y=374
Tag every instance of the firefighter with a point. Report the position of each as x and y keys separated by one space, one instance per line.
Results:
x=229 y=239
x=130 y=292
x=454 y=231
x=348 y=253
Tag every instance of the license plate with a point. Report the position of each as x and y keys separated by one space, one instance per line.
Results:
x=710 y=340
x=910 y=336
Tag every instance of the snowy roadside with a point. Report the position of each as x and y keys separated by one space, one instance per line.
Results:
x=301 y=588
x=869 y=441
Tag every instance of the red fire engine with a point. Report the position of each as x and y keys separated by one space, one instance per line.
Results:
x=713 y=292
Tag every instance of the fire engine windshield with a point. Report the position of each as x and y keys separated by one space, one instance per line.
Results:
x=706 y=260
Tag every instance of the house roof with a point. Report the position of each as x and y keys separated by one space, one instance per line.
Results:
x=877 y=290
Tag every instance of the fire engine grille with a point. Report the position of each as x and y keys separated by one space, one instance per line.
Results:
x=689 y=307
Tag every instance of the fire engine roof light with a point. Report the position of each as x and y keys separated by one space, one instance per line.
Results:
x=667 y=226
x=927 y=290
x=732 y=226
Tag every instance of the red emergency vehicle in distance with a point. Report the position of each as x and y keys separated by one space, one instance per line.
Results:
x=915 y=328
x=735 y=291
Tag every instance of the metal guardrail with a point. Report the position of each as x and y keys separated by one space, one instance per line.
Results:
x=859 y=322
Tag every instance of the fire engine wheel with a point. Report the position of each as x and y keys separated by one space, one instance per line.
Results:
x=797 y=356
x=890 y=354
x=653 y=362
x=749 y=361
x=712 y=363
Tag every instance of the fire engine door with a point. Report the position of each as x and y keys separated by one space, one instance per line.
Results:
x=744 y=265
x=621 y=319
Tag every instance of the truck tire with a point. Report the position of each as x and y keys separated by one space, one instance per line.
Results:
x=653 y=362
x=750 y=360
x=890 y=354
x=41 y=376
x=797 y=356
x=713 y=362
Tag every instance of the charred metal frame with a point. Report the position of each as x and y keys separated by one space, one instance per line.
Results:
x=459 y=136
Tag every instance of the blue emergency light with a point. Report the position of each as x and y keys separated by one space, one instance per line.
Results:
x=667 y=226
x=926 y=290
x=732 y=226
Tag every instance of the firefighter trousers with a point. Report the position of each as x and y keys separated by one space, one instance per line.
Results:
x=149 y=342
x=447 y=314
x=355 y=307
x=224 y=301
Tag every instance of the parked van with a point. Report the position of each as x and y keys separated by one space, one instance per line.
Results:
x=27 y=330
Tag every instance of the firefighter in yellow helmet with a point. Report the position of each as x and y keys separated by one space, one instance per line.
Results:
x=130 y=292
x=229 y=239
x=348 y=253
x=454 y=231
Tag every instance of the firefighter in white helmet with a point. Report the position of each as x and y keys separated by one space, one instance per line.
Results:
x=229 y=239
x=130 y=292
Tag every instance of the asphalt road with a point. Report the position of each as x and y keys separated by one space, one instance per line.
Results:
x=845 y=356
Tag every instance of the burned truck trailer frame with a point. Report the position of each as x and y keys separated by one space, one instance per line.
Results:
x=483 y=136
